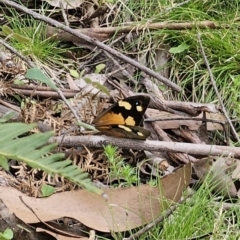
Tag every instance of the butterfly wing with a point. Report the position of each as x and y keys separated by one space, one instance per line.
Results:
x=125 y=131
x=128 y=111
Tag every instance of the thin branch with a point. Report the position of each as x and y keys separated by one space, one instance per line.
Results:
x=161 y=119
x=124 y=72
x=148 y=145
x=63 y=13
x=135 y=26
x=216 y=90
x=93 y=41
x=14 y=51
x=46 y=94
x=104 y=33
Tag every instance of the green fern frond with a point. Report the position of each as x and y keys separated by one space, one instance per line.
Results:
x=33 y=151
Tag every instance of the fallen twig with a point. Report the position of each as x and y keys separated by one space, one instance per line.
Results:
x=44 y=92
x=103 y=33
x=130 y=27
x=40 y=88
x=13 y=50
x=148 y=145
x=182 y=119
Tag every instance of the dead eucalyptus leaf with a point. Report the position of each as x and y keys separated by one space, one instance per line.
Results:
x=125 y=209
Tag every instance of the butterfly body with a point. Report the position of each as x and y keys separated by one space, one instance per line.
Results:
x=123 y=119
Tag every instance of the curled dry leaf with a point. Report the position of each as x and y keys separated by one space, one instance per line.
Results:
x=155 y=165
x=222 y=181
x=221 y=174
x=160 y=163
x=125 y=209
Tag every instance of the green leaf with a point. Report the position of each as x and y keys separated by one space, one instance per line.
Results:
x=7 y=234
x=82 y=73
x=87 y=80
x=100 y=67
x=7 y=116
x=16 y=36
x=18 y=98
x=74 y=73
x=21 y=38
x=7 y=30
x=97 y=85
x=37 y=74
x=179 y=49
x=7 y=133
x=4 y=163
x=33 y=151
x=101 y=88
x=47 y=190
x=18 y=82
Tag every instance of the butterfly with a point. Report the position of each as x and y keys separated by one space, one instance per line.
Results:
x=123 y=118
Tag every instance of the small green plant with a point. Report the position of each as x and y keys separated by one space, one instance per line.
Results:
x=119 y=170
x=152 y=182
x=97 y=85
x=47 y=190
x=100 y=67
x=6 y=235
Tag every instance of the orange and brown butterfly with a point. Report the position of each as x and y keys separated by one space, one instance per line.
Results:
x=123 y=118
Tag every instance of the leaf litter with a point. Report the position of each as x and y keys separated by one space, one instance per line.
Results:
x=126 y=208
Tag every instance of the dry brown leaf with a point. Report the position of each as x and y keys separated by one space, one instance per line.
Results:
x=126 y=208
x=222 y=170
x=222 y=181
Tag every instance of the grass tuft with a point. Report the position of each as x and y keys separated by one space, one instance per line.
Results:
x=29 y=37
